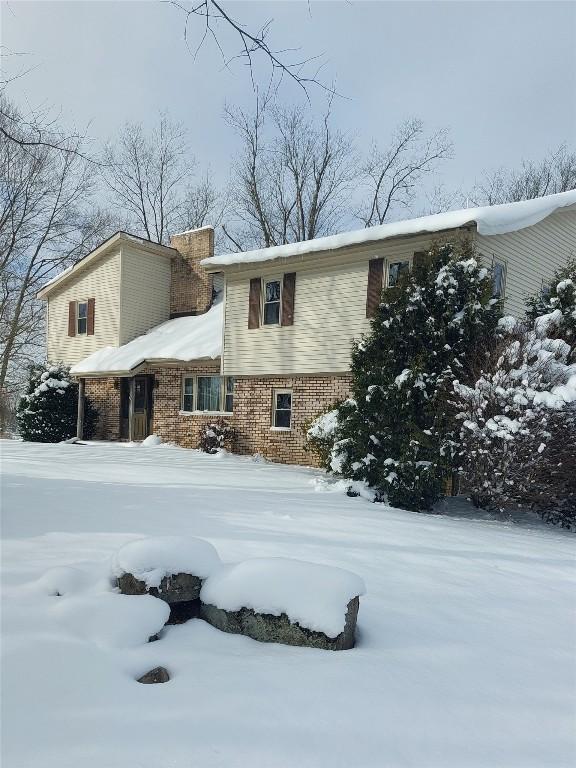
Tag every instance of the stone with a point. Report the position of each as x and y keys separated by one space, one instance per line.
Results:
x=156 y=675
x=178 y=588
x=267 y=628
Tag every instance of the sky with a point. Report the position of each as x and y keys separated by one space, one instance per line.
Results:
x=500 y=76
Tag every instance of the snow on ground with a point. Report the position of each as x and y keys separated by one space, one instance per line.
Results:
x=466 y=633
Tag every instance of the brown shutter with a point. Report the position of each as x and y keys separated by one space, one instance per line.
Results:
x=254 y=303
x=374 y=292
x=288 y=293
x=90 y=318
x=419 y=258
x=71 y=318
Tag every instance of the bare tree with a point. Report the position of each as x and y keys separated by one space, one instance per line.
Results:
x=293 y=184
x=392 y=175
x=45 y=225
x=214 y=20
x=556 y=172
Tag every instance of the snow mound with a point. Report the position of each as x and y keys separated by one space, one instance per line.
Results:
x=183 y=339
x=489 y=220
x=118 y=621
x=63 y=580
x=313 y=595
x=151 y=441
x=150 y=560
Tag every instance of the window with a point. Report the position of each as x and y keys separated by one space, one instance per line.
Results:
x=81 y=317
x=271 y=308
x=229 y=395
x=188 y=393
x=214 y=394
x=282 y=415
x=395 y=270
x=498 y=280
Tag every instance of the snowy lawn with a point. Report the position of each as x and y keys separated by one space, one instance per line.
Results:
x=466 y=639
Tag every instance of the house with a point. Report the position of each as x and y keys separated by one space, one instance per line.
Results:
x=167 y=338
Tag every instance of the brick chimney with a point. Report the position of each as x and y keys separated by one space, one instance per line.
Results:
x=190 y=285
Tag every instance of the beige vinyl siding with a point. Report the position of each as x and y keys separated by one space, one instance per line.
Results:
x=145 y=292
x=329 y=310
x=531 y=256
x=101 y=282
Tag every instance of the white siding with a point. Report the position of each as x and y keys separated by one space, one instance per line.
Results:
x=145 y=292
x=329 y=311
x=101 y=282
x=531 y=255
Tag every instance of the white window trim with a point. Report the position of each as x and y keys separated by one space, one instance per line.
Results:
x=195 y=411
x=388 y=262
x=81 y=301
x=284 y=391
x=263 y=302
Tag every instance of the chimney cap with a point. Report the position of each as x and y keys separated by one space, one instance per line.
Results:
x=191 y=231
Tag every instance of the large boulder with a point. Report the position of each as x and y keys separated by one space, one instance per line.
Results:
x=279 y=629
x=276 y=600
x=168 y=567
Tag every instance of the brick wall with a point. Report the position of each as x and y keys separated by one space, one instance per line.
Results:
x=252 y=417
x=190 y=285
x=105 y=396
x=253 y=413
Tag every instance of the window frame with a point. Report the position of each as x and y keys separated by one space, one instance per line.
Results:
x=223 y=393
x=263 y=302
x=78 y=318
x=275 y=409
x=390 y=263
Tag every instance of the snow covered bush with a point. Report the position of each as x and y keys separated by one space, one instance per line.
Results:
x=518 y=420
x=215 y=435
x=556 y=309
x=319 y=434
x=432 y=328
x=47 y=413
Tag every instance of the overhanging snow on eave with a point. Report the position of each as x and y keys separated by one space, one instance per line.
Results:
x=159 y=362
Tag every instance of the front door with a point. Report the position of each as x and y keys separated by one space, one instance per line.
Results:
x=140 y=408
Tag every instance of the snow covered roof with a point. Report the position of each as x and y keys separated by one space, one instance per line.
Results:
x=182 y=339
x=104 y=247
x=489 y=220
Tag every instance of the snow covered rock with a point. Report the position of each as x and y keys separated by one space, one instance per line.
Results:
x=151 y=441
x=278 y=600
x=168 y=567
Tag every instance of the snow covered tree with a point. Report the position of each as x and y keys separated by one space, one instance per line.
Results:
x=518 y=434
x=47 y=412
x=432 y=328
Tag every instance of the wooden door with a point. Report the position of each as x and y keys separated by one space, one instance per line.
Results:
x=140 y=404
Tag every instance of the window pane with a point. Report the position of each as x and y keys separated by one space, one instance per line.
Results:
x=282 y=419
x=272 y=313
x=188 y=396
x=81 y=325
x=83 y=309
x=229 y=397
x=208 y=393
x=273 y=291
x=139 y=395
x=284 y=400
x=395 y=271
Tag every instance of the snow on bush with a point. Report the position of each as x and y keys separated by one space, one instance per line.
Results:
x=151 y=441
x=215 y=436
x=48 y=411
x=150 y=560
x=314 y=596
x=518 y=420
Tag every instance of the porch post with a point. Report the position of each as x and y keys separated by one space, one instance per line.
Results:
x=131 y=410
x=80 y=419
